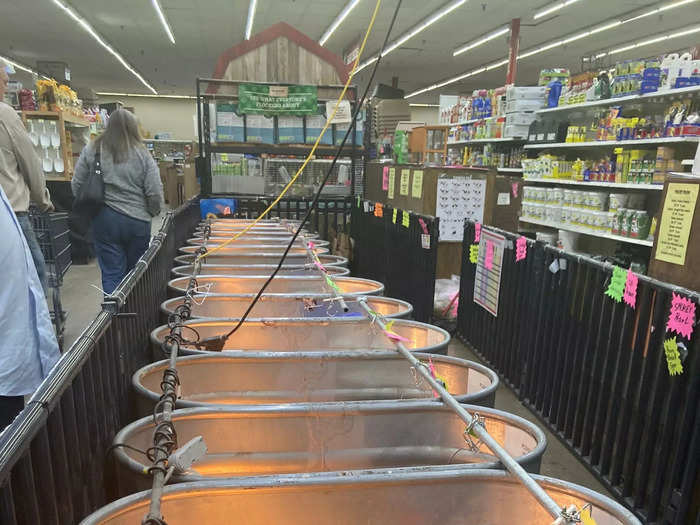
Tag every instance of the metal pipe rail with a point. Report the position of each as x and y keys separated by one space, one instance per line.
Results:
x=336 y=296
x=476 y=428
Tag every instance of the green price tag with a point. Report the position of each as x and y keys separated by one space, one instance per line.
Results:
x=393 y=218
x=673 y=357
x=473 y=253
x=616 y=288
x=406 y=220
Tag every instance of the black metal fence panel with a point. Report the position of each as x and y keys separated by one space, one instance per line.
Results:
x=595 y=372
x=387 y=251
x=54 y=458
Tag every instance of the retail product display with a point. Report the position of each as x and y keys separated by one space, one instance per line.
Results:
x=491 y=156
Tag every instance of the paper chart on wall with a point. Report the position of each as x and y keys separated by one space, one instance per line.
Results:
x=487 y=282
x=458 y=199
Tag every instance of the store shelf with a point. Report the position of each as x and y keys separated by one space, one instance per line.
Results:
x=472 y=121
x=280 y=149
x=170 y=141
x=618 y=100
x=67 y=117
x=687 y=162
x=510 y=170
x=658 y=187
x=485 y=141
x=610 y=143
x=584 y=231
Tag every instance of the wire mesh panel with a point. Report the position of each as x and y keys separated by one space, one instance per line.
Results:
x=595 y=371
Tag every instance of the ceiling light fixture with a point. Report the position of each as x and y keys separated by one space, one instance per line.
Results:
x=652 y=40
x=251 y=17
x=144 y=95
x=556 y=6
x=338 y=20
x=418 y=105
x=437 y=15
x=609 y=24
x=87 y=27
x=17 y=65
x=163 y=20
x=476 y=43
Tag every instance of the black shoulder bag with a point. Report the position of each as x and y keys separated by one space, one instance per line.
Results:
x=91 y=196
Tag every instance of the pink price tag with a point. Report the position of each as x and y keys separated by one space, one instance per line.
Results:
x=311 y=245
x=520 y=248
x=320 y=267
x=423 y=226
x=682 y=317
x=395 y=337
x=514 y=189
x=488 y=258
x=630 y=294
x=477 y=231
x=385 y=178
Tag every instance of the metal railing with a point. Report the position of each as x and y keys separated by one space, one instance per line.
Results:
x=594 y=371
x=54 y=458
x=389 y=252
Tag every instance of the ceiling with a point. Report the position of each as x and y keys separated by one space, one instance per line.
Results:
x=40 y=30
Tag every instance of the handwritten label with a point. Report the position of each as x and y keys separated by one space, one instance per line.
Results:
x=474 y=253
x=514 y=189
x=630 y=295
x=405 y=182
x=417 y=186
x=406 y=219
x=676 y=220
x=673 y=357
x=488 y=257
x=425 y=241
x=393 y=217
x=520 y=248
x=616 y=288
x=477 y=231
x=378 y=210
x=392 y=183
x=682 y=317
x=385 y=178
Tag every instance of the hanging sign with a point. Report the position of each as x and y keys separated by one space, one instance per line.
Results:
x=417 y=186
x=262 y=99
x=406 y=220
x=616 y=288
x=630 y=295
x=477 y=231
x=393 y=217
x=378 y=210
x=405 y=182
x=487 y=279
x=520 y=248
x=392 y=182
x=473 y=253
x=682 y=317
x=343 y=115
x=385 y=178
x=676 y=220
x=673 y=357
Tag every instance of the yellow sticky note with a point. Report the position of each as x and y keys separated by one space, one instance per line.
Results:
x=393 y=218
x=473 y=253
x=406 y=221
x=392 y=182
x=405 y=182
x=417 y=186
x=676 y=220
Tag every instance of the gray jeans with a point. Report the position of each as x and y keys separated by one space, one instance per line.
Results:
x=34 y=248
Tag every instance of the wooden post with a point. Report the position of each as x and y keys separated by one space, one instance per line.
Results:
x=513 y=50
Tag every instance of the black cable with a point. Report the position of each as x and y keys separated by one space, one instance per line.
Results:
x=216 y=343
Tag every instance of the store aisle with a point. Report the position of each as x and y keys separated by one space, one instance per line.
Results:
x=557 y=461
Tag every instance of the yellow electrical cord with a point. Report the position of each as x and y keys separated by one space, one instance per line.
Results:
x=313 y=149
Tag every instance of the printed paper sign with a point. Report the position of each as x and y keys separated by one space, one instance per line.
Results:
x=425 y=241
x=406 y=221
x=366 y=205
x=458 y=198
x=474 y=253
x=488 y=260
x=405 y=182
x=385 y=178
x=344 y=113
x=477 y=232
x=520 y=248
x=682 y=317
x=673 y=357
x=417 y=186
x=392 y=183
x=358 y=201
x=616 y=288
x=676 y=220
x=503 y=199
x=630 y=295
x=487 y=282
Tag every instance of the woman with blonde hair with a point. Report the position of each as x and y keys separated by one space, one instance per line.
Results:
x=133 y=194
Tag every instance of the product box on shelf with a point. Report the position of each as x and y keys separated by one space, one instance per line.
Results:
x=515 y=131
x=520 y=119
x=260 y=129
x=290 y=129
x=525 y=92
x=524 y=104
x=314 y=125
x=229 y=125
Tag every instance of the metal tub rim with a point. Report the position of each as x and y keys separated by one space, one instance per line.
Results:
x=164 y=310
x=285 y=482
x=338 y=271
x=190 y=250
x=257 y=356
x=346 y=408
x=337 y=261
x=245 y=242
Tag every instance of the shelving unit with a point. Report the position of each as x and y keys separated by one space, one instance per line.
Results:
x=485 y=141
x=510 y=170
x=67 y=118
x=657 y=187
x=612 y=143
x=630 y=98
x=584 y=231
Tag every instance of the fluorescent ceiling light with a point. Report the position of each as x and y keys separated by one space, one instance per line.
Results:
x=476 y=43
x=87 y=27
x=417 y=105
x=434 y=17
x=338 y=20
x=251 y=17
x=653 y=40
x=608 y=24
x=556 y=6
x=163 y=20
x=145 y=95
x=17 y=65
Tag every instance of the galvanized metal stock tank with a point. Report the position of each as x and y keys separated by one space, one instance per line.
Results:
x=310 y=285
x=262 y=379
x=247 y=250
x=473 y=497
x=284 y=307
x=323 y=437
x=307 y=335
x=247 y=271
x=297 y=260
x=213 y=241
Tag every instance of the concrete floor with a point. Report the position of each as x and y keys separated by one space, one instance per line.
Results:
x=82 y=301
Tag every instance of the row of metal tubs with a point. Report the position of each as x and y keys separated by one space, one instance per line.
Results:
x=311 y=416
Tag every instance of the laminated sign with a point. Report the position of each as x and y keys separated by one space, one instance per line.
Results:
x=487 y=278
x=261 y=99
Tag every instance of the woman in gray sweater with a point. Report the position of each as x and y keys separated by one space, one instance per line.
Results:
x=133 y=195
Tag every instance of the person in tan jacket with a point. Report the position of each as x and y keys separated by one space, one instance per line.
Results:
x=21 y=175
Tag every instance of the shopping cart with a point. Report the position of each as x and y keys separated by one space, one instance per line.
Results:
x=53 y=234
